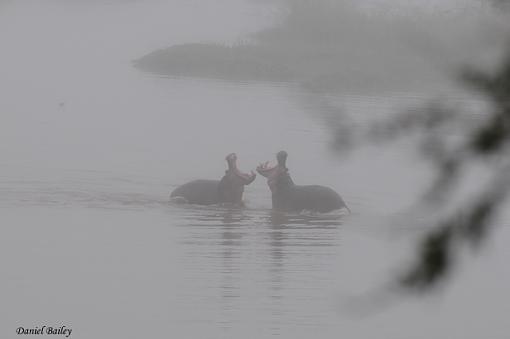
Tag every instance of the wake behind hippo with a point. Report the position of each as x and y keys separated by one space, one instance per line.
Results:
x=209 y=192
x=287 y=196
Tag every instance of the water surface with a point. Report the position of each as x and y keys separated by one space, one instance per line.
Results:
x=91 y=148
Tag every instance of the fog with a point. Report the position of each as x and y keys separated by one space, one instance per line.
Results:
x=348 y=46
x=101 y=118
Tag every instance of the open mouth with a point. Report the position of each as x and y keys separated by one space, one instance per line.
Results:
x=266 y=170
x=246 y=177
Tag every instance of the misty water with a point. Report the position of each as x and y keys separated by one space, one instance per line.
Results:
x=91 y=148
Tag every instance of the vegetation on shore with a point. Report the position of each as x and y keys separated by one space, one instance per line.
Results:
x=241 y=62
x=329 y=46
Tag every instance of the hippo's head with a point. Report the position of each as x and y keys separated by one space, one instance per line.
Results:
x=278 y=174
x=232 y=184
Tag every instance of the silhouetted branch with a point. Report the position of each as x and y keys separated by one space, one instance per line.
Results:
x=451 y=156
x=471 y=223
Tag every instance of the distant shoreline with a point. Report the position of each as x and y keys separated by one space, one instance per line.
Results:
x=214 y=61
x=251 y=63
x=320 y=47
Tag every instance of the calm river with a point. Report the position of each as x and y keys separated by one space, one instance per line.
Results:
x=90 y=149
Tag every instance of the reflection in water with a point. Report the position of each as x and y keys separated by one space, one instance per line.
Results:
x=281 y=258
x=314 y=220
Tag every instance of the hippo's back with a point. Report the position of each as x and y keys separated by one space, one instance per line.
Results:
x=201 y=192
x=316 y=198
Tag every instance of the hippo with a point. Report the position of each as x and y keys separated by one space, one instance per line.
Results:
x=289 y=197
x=228 y=190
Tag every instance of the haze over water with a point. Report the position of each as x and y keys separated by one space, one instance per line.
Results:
x=90 y=149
